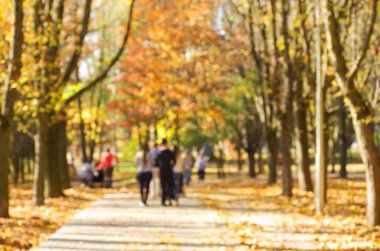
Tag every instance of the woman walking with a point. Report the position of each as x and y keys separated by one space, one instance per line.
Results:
x=144 y=163
x=188 y=163
x=178 y=172
x=201 y=164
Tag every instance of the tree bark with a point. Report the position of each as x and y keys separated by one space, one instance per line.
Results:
x=62 y=151
x=53 y=171
x=272 y=144
x=342 y=139
x=359 y=108
x=261 y=166
x=239 y=160
x=6 y=116
x=251 y=163
x=287 y=114
x=302 y=142
x=41 y=159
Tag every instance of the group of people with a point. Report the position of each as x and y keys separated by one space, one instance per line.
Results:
x=103 y=173
x=163 y=169
x=168 y=167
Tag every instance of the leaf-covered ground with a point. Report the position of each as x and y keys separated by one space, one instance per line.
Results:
x=254 y=212
x=264 y=220
x=29 y=225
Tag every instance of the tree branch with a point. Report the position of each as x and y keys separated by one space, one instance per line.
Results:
x=79 y=44
x=114 y=60
x=367 y=39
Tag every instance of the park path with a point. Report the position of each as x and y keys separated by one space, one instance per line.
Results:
x=116 y=222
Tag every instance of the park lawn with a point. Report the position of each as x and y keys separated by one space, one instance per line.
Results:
x=29 y=225
x=264 y=220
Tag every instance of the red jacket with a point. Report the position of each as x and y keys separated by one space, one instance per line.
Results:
x=107 y=161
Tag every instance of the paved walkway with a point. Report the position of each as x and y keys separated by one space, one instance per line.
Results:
x=116 y=222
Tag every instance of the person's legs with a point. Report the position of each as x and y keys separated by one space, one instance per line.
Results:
x=110 y=177
x=163 y=189
x=176 y=182
x=171 y=187
x=180 y=182
x=186 y=175
x=155 y=182
x=141 y=186
x=147 y=179
x=201 y=173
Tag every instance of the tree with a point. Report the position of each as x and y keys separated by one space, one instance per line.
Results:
x=346 y=75
x=7 y=108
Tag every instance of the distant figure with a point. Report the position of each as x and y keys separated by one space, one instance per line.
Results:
x=155 y=184
x=98 y=174
x=166 y=161
x=107 y=165
x=220 y=164
x=188 y=164
x=201 y=164
x=178 y=172
x=144 y=163
x=86 y=174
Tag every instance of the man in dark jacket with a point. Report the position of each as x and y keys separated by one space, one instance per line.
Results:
x=166 y=161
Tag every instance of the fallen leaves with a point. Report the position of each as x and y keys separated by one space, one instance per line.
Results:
x=265 y=220
x=29 y=225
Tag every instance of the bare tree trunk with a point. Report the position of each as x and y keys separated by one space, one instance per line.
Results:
x=5 y=138
x=16 y=169
x=261 y=166
x=287 y=116
x=251 y=163
x=239 y=160
x=302 y=143
x=272 y=144
x=6 y=116
x=53 y=172
x=342 y=139
x=359 y=108
x=22 y=170
x=41 y=156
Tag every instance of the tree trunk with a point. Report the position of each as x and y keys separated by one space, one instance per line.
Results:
x=358 y=106
x=286 y=131
x=332 y=151
x=9 y=98
x=239 y=160
x=342 y=139
x=16 y=169
x=41 y=156
x=251 y=163
x=62 y=149
x=302 y=144
x=5 y=142
x=261 y=166
x=53 y=169
x=22 y=170
x=272 y=146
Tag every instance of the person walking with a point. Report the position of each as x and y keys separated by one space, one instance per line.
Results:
x=166 y=161
x=86 y=174
x=178 y=172
x=144 y=163
x=188 y=164
x=201 y=164
x=107 y=164
x=155 y=184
